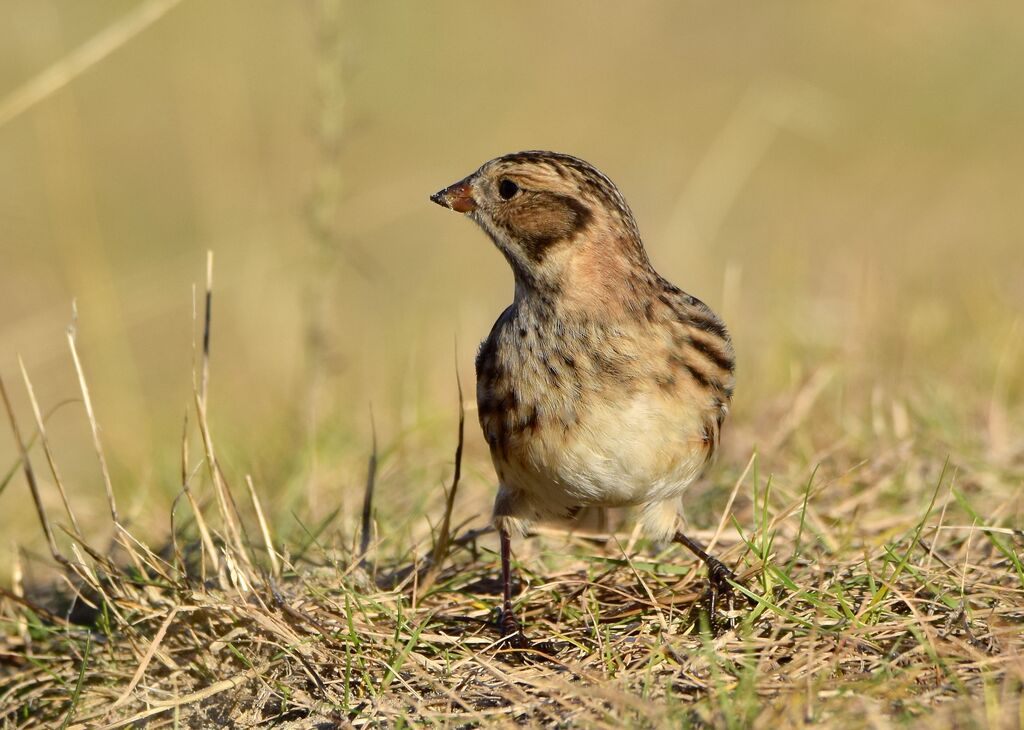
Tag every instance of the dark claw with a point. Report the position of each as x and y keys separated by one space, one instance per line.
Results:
x=512 y=631
x=720 y=576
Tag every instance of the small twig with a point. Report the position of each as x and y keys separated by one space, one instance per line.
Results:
x=728 y=506
x=100 y=559
x=177 y=554
x=371 y=478
x=224 y=501
x=643 y=584
x=209 y=549
x=204 y=532
x=30 y=477
x=93 y=580
x=93 y=424
x=41 y=430
x=147 y=658
x=275 y=565
x=935 y=532
x=444 y=539
x=153 y=561
x=243 y=533
x=207 y=319
x=9 y=474
x=18 y=589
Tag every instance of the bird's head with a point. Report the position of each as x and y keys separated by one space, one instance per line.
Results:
x=557 y=219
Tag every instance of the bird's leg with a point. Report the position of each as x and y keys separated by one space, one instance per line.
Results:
x=718 y=574
x=509 y=626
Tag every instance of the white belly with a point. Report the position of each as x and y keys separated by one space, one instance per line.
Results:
x=640 y=452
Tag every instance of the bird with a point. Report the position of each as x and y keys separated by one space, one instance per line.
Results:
x=601 y=384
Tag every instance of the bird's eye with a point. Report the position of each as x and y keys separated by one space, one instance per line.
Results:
x=507 y=188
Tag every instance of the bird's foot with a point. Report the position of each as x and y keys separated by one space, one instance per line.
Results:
x=721 y=582
x=720 y=579
x=512 y=636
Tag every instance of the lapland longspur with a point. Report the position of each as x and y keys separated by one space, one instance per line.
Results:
x=602 y=384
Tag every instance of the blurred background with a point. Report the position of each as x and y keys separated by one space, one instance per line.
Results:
x=842 y=183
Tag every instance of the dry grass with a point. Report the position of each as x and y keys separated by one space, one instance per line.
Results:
x=884 y=590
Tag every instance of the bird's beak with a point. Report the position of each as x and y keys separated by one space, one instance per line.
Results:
x=458 y=197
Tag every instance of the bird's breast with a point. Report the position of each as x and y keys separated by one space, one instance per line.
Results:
x=580 y=413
